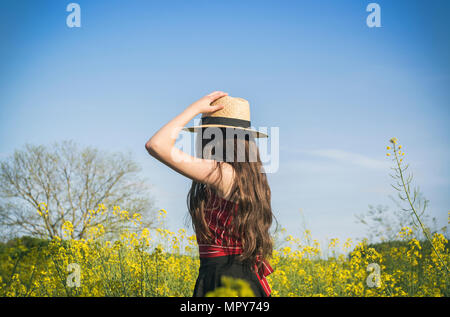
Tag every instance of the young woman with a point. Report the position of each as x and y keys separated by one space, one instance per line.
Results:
x=230 y=199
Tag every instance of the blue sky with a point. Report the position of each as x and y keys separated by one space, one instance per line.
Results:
x=337 y=89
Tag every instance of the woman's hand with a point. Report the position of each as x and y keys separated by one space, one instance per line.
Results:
x=203 y=105
x=162 y=145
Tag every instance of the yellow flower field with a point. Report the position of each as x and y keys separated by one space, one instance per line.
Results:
x=164 y=263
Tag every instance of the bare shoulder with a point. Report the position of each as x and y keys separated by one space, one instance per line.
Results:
x=225 y=187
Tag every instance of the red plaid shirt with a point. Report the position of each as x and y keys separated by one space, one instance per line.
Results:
x=218 y=214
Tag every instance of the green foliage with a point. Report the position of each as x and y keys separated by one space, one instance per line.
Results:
x=232 y=287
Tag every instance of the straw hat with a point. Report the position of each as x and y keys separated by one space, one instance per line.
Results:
x=235 y=114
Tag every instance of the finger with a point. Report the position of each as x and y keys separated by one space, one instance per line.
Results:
x=218 y=95
x=214 y=92
x=218 y=107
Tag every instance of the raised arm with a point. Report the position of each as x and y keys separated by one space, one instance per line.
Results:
x=162 y=145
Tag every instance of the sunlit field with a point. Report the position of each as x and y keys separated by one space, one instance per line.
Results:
x=157 y=262
x=164 y=263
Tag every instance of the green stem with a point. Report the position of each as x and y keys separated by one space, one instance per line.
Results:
x=415 y=213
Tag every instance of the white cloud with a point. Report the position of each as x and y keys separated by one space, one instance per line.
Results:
x=348 y=157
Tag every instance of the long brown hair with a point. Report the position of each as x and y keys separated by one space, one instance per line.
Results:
x=250 y=190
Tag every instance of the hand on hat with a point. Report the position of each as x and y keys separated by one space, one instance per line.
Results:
x=204 y=106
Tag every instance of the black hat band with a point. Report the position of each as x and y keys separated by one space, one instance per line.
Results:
x=232 y=122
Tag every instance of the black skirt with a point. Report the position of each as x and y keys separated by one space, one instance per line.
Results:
x=212 y=269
